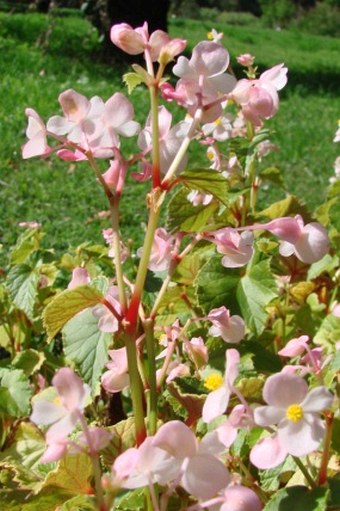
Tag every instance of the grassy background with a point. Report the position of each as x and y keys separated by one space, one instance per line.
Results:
x=64 y=197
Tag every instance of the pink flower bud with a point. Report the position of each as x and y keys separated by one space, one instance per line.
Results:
x=80 y=277
x=128 y=39
x=230 y=328
x=246 y=59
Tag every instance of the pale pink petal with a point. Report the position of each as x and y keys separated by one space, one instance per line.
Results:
x=295 y=347
x=285 y=228
x=80 y=277
x=277 y=75
x=75 y=106
x=205 y=476
x=268 y=453
x=267 y=415
x=59 y=125
x=157 y=40
x=317 y=399
x=62 y=428
x=127 y=39
x=302 y=437
x=209 y=58
x=118 y=110
x=46 y=412
x=240 y=498
x=215 y=404
x=71 y=389
x=54 y=452
x=232 y=362
x=114 y=382
x=282 y=390
x=286 y=249
x=177 y=439
x=125 y=463
x=313 y=244
x=37 y=146
x=227 y=433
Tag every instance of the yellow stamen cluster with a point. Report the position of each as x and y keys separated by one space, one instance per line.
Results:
x=294 y=413
x=213 y=381
x=210 y=155
x=218 y=121
x=210 y=36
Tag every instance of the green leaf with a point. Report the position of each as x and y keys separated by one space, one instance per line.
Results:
x=299 y=498
x=326 y=264
x=273 y=175
x=22 y=283
x=254 y=292
x=87 y=347
x=73 y=474
x=271 y=479
x=328 y=333
x=80 y=503
x=186 y=394
x=47 y=500
x=131 y=501
x=183 y=216
x=28 y=242
x=216 y=286
x=15 y=392
x=30 y=361
x=207 y=181
x=27 y=446
x=131 y=80
x=289 y=206
x=124 y=437
x=66 y=305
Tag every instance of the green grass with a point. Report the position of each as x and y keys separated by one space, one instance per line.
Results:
x=64 y=197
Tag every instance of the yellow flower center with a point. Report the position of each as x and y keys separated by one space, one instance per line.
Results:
x=294 y=413
x=210 y=36
x=210 y=155
x=218 y=121
x=213 y=381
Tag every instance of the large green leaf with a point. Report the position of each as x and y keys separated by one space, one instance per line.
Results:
x=124 y=437
x=298 y=498
x=254 y=292
x=27 y=446
x=22 y=283
x=86 y=346
x=183 y=216
x=207 y=181
x=66 y=305
x=289 y=206
x=73 y=474
x=328 y=333
x=216 y=286
x=15 y=392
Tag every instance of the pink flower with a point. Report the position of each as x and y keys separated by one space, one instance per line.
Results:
x=230 y=328
x=80 y=277
x=309 y=242
x=81 y=117
x=295 y=411
x=170 y=139
x=200 y=472
x=116 y=118
x=196 y=198
x=246 y=59
x=220 y=129
x=161 y=251
x=197 y=351
x=268 y=453
x=65 y=412
x=239 y=417
x=239 y=498
x=37 y=136
x=295 y=347
x=146 y=465
x=108 y=322
x=237 y=249
x=136 y=40
x=114 y=177
x=258 y=98
x=204 y=77
x=116 y=378
x=217 y=401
